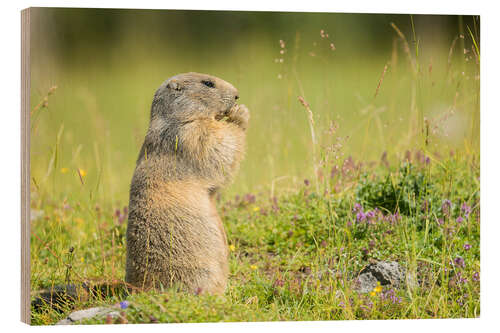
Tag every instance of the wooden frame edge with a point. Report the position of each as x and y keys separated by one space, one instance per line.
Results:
x=25 y=167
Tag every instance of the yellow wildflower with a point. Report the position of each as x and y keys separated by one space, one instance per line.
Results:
x=64 y=170
x=82 y=260
x=376 y=290
x=256 y=209
x=232 y=247
x=82 y=172
x=253 y=267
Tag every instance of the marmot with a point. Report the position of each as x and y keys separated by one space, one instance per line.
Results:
x=193 y=146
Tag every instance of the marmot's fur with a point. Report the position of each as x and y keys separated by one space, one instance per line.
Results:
x=192 y=148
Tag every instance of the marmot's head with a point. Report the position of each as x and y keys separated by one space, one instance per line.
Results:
x=191 y=95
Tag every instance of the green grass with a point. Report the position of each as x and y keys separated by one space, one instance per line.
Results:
x=296 y=257
x=296 y=248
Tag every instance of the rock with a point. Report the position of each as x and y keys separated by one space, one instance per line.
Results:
x=88 y=313
x=385 y=272
x=59 y=295
x=366 y=282
x=64 y=321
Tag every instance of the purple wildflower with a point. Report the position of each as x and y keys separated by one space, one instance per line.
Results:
x=249 y=198
x=121 y=216
x=275 y=205
x=306 y=182
x=396 y=299
x=459 y=278
x=465 y=209
x=124 y=304
x=278 y=283
x=460 y=262
x=367 y=305
x=475 y=277
x=361 y=216
x=462 y=299
x=425 y=206
x=391 y=295
x=446 y=207
x=460 y=219
x=357 y=207
x=370 y=215
x=396 y=217
x=392 y=218
x=467 y=247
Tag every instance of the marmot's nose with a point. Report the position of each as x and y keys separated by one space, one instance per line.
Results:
x=236 y=96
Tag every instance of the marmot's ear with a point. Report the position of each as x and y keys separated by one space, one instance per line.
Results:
x=174 y=85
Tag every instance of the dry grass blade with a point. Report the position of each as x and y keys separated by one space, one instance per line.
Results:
x=313 y=135
x=451 y=53
x=44 y=102
x=406 y=47
x=80 y=175
x=381 y=79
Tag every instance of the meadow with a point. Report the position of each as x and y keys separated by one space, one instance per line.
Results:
x=354 y=155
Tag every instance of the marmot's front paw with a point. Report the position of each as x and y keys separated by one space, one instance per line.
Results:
x=239 y=115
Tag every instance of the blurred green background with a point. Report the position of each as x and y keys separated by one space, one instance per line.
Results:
x=107 y=64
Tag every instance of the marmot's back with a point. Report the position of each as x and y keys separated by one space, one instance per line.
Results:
x=193 y=146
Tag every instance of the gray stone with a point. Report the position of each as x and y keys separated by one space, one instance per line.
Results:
x=366 y=282
x=88 y=313
x=385 y=272
x=64 y=321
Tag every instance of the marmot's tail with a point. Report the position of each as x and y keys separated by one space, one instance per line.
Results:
x=61 y=297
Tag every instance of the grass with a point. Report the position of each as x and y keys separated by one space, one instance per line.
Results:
x=383 y=165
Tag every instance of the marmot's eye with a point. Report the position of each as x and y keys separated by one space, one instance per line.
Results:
x=209 y=84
